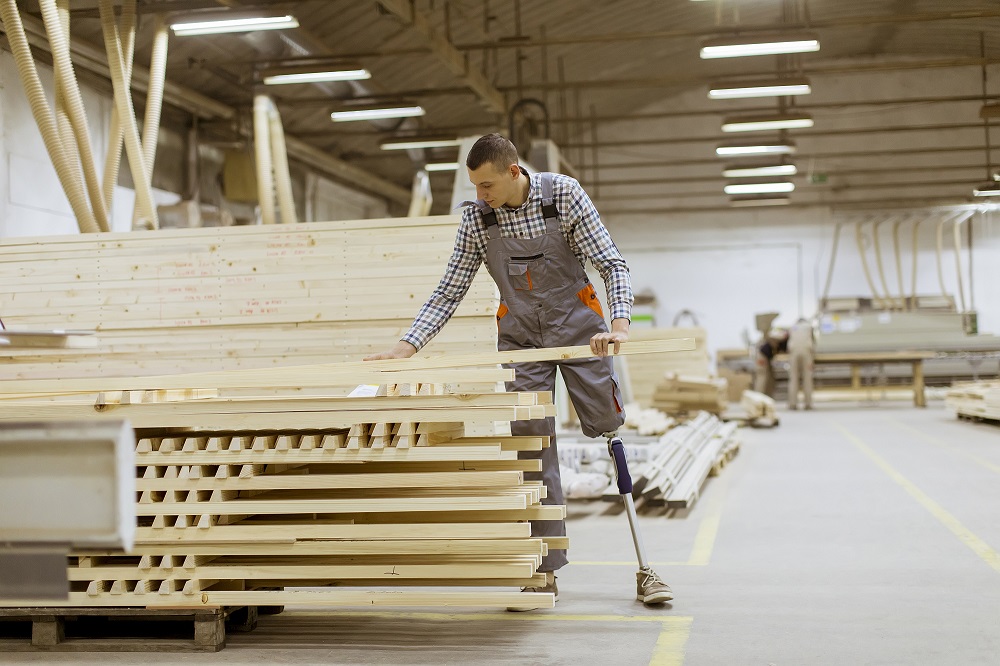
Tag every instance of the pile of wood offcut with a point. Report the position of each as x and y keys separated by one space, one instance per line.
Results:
x=679 y=394
x=975 y=400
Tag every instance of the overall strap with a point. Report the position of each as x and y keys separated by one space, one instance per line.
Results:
x=549 y=211
x=489 y=217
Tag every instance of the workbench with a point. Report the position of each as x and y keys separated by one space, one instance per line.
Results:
x=857 y=360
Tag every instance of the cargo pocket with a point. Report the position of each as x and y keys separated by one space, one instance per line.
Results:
x=588 y=297
x=520 y=276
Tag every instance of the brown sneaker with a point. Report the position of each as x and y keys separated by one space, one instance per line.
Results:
x=550 y=587
x=649 y=589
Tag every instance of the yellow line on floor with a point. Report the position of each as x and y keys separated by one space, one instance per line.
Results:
x=941 y=443
x=670 y=644
x=704 y=540
x=964 y=534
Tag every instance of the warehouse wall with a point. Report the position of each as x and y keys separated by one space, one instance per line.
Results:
x=32 y=201
x=727 y=265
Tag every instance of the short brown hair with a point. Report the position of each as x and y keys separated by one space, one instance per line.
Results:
x=494 y=149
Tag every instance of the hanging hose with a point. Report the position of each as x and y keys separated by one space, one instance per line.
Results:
x=44 y=117
x=279 y=160
x=859 y=237
x=70 y=94
x=889 y=300
x=154 y=103
x=958 y=255
x=115 y=132
x=123 y=101
x=262 y=150
x=833 y=259
x=63 y=123
x=940 y=252
x=421 y=198
x=899 y=260
x=913 y=276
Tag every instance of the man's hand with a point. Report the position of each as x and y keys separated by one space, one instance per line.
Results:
x=601 y=343
x=401 y=350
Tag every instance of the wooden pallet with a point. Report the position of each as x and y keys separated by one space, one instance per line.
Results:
x=119 y=629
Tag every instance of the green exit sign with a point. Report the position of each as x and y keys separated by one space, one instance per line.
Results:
x=817 y=178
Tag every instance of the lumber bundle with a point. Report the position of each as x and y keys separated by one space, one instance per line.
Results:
x=760 y=408
x=190 y=300
x=395 y=491
x=682 y=460
x=679 y=394
x=976 y=400
x=646 y=375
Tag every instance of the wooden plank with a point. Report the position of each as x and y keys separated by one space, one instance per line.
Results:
x=309 y=598
x=360 y=532
x=342 y=481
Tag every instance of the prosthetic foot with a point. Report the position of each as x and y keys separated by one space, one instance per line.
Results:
x=650 y=589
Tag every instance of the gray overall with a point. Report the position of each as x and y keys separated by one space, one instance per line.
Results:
x=546 y=300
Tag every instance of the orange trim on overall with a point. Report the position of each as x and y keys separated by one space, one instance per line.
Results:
x=527 y=274
x=502 y=311
x=588 y=297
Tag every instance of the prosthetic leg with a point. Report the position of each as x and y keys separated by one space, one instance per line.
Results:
x=650 y=589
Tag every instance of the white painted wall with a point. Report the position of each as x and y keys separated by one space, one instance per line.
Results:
x=32 y=201
x=728 y=265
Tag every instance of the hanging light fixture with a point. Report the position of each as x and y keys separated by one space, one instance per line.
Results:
x=760 y=148
x=760 y=171
x=419 y=142
x=771 y=88
x=774 y=44
x=377 y=113
x=760 y=188
x=764 y=123
x=233 y=23
x=314 y=75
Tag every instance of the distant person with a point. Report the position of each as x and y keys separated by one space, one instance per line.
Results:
x=801 y=359
x=775 y=343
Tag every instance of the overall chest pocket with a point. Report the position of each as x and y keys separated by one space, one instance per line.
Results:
x=519 y=271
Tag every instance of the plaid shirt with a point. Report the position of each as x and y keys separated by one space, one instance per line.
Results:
x=579 y=222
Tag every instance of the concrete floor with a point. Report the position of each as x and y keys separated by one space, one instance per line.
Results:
x=848 y=535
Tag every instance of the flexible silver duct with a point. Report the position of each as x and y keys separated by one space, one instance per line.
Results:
x=262 y=151
x=69 y=94
x=44 y=116
x=126 y=113
x=272 y=162
x=115 y=133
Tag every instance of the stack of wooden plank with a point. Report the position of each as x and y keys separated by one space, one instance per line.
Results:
x=244 y=500
x=187 y=300
x=645 y=376
x=681 y=461
x=760 y=408
x=679 y=394
x=976 y=400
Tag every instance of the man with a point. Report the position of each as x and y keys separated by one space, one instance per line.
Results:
x=801 y=351
x=535 y=234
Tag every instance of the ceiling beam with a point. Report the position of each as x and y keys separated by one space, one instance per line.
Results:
x=456 y=62
x=649 y=141
x=813 y=24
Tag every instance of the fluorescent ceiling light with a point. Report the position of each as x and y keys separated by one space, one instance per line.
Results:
x=987 y=190
x=763 y=123
x=758 y=46
x=442 y=166
x=759 y=188
x=234 y=25
x=755 y=149
x=746 y=202
x=416 y=143
x=377 y=114
x=772 y=88
x=760 y=171
x=317 y=77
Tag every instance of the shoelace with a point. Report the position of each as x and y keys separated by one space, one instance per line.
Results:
x=652 y=578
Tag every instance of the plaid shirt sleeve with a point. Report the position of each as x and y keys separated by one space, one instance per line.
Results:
x=589 y=239
x=465 y=261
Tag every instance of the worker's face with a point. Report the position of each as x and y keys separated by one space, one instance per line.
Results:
x=495 y=187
